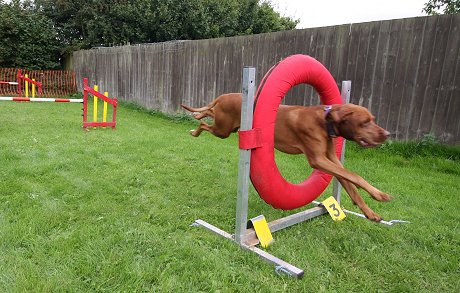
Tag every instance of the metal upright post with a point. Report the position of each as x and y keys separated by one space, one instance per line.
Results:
x=346 y=92
x=245 y=155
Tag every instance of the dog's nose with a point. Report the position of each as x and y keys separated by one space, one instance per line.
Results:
x=387 y=134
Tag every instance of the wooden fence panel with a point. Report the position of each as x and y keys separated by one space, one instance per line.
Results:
x=447 y=77
x=435 y=72
x=405 y=71
x=415 y=31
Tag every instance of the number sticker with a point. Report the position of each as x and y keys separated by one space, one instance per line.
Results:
x=334 y=209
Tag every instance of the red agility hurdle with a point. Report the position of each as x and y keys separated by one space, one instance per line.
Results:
x=97 y=95
x=86 y=91
x=27 y=80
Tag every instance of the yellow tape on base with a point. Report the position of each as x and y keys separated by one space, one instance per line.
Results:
x=334 y=209
x=262 y=231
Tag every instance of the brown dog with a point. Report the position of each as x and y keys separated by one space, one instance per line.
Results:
x=308 y=130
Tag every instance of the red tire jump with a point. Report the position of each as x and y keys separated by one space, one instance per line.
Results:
x=265 y=176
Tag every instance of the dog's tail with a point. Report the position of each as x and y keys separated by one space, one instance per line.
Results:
x=190 y=109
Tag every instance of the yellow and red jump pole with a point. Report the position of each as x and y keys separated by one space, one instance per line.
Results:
x=27 y=80
x=97 y=95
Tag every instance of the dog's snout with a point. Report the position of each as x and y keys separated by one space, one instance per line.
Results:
x=386 y=133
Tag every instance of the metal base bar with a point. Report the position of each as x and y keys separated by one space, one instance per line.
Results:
x=281 y=265
x=294 y=219
x=250 y=238
x=389 y=223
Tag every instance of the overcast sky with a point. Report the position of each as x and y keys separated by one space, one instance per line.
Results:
x=317 y=13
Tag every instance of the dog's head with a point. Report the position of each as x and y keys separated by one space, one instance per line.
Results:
x=356 y=123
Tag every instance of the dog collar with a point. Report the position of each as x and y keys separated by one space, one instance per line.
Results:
x=329 y=125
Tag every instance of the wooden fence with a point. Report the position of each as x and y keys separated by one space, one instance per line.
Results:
x=406 y=71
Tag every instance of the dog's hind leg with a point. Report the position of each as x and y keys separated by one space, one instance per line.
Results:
x=203 y=126
x=205 y=113
x=213 y=129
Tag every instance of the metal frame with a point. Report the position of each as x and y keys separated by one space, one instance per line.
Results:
x=246 y=237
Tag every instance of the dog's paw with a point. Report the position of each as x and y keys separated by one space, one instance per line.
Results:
x=371 y=215
x=386 y=197
x=381 y=196
x=376 y=218
x=193 y=133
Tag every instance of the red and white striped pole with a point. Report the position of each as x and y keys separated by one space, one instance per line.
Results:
x=24 y=99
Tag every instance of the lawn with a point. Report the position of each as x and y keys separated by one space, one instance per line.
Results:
x=110 y=210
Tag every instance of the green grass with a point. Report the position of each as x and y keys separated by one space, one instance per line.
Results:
x=110 y=211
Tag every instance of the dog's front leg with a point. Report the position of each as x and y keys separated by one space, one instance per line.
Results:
x=353 y=191
x=359 y=201
x=321 y=162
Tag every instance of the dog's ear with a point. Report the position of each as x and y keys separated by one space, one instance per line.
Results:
x=340 y=113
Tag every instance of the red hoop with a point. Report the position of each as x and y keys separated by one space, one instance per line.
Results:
x=265 y=176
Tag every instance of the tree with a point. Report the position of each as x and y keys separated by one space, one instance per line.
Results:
x=35 y=34
x=28 y=37
x=85 y=24
x=434 y=7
